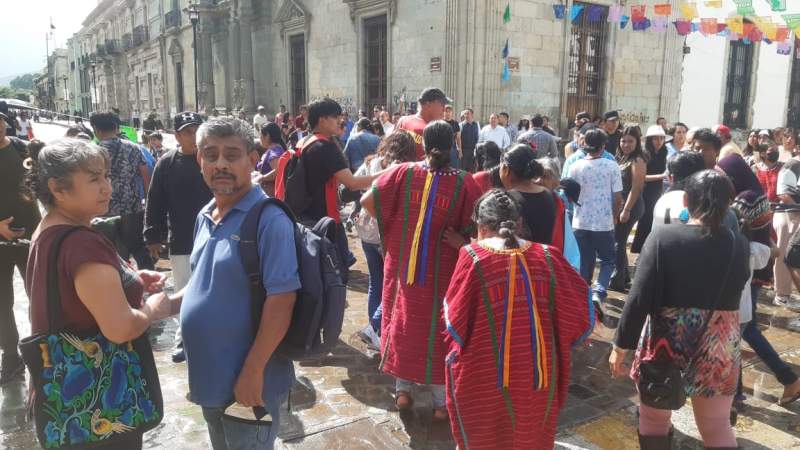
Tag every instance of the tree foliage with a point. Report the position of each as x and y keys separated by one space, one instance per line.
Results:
x=23 y=82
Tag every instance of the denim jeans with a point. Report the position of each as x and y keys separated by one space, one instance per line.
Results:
x=10 y=257
x=752 y=335
x=621 y=233
x=227 y=434
x=596 y=244
x=437 y=390
x=372 y=252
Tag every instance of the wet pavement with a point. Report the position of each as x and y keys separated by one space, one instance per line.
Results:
x=342 y=401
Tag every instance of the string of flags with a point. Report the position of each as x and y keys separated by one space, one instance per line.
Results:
x=506 y=74
x=688 y=20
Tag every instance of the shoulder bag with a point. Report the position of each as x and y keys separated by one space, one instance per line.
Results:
x=87 y=389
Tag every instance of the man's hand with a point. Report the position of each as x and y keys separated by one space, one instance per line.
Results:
x=153 y=281
x=249 y=387
x=616 y=362
x=624 y=216
x=155 y=251
x=5 y=230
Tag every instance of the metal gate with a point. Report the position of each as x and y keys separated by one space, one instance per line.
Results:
x=297 y=49
x=375 y=61
x=737 y=85
x=586 y=53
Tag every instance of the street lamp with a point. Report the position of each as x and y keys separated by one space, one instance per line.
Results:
x=66 y=95
x=93 y=64
x=194 y=17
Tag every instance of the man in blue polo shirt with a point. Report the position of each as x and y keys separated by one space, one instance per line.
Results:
x=227 y=362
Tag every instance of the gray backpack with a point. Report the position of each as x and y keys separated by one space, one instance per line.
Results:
x=319 y=309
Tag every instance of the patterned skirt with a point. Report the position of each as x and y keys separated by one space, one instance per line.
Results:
x=708 y=356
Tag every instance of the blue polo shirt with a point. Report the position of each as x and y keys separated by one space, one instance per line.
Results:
x=216 y=319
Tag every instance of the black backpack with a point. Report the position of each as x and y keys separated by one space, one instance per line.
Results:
x=296 y=193
x=319 y=309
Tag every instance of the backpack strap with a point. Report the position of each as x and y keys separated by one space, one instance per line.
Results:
x=19 y=146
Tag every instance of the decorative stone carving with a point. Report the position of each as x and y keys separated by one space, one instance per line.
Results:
x=292 y=16
x=359 y=7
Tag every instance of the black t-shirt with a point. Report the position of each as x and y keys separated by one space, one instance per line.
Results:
x=14 y=199
x=322 y=160
x=455 y=125
x=538 y=216
x=613 y=141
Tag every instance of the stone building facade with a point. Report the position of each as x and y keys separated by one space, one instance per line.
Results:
x=374 y=52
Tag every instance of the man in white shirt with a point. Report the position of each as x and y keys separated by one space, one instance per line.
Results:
x=595 y=214
x=259 y=120
x=495 y=133
x=386 y=122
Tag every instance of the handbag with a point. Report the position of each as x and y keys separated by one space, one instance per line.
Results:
x=88 y=390
x=661 y=383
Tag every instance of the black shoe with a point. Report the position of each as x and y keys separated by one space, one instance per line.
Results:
x=178 y=356
x=656 y=442
x=616 y=287
x=13 y=369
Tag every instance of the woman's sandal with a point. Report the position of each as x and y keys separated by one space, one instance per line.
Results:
x=440 y=414
x=785 y=401
x=403 y=400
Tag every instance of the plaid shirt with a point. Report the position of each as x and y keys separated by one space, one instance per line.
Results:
x=541 y=141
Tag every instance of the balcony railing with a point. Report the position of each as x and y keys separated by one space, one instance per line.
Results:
x=139 y=35
x=112 y=46
x=101 y=50
x=127 y=41
x=172 y=19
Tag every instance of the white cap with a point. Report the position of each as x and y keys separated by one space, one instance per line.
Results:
x=655 y=131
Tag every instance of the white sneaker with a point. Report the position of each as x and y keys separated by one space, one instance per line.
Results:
x=793 y=325
x=780 y=300
x=793 y=304
x=370 y=337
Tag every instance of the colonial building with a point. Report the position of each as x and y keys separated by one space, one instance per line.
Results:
x=51 y=88
x=372 y=52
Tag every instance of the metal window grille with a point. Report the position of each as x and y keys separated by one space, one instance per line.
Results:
x=586 y=54
x=297 y=46
x=375 y=61
x=793 y=113
x=737 y=85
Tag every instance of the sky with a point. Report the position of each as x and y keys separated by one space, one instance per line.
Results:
x=26 y=22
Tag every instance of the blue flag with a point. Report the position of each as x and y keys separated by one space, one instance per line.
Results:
x=506 y=72
x=559 y=11
x=575 y=11
x=505 y=50
x=623 y=21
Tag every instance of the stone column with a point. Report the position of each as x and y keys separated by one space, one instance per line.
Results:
x=234 y=72
x=205 y=68
x=246 y=56
x=219 y=57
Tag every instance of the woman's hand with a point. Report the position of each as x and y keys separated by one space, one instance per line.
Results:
x=453 y=238
x=153 y=281
x=160 y=306
x=616 y=361
x=624 y=216
x=6 y=232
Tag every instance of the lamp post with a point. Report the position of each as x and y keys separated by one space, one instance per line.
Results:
x=66 y=94
x=93 y=64
x=194 y=17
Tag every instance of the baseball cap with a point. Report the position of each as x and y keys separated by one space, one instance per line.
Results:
x=433 y=94
x=187 y=118
x=722 y=130
x=583 y=115
x=763 y=133
x=572 y=189
x=655 y=131
x=611 y=115
x=4 y=117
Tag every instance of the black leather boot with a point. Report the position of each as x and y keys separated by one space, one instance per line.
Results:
x=656 y=442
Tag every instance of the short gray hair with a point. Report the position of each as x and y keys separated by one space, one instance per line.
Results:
x=551 y=165
x=223 y=127
x=59 y=161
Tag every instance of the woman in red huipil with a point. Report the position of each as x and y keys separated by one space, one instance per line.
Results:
x=508 y=346
x=424 y=214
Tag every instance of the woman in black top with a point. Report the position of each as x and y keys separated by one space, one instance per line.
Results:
x=518 y=170
x=686 y=296
x=656 y=153
x=632 y=165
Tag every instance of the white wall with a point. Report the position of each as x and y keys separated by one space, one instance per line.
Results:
x=703 y=81
x=772 y=85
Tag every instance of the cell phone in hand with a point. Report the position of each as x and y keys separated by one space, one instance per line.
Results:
x=17 y=229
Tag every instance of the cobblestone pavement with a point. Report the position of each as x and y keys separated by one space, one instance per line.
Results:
x=341 y=401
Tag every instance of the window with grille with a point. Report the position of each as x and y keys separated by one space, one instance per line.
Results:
x=737 y=85
x=297 y=52
x=586 y=54
x=375 y=61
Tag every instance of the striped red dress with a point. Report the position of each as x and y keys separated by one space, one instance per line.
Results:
x=414 y=206
x=508 y=363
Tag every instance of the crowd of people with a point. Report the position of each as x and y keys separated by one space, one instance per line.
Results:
x=481 y=245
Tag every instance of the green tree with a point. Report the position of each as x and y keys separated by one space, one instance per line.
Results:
x=23 y=82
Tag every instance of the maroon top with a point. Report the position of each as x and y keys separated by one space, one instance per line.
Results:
x=81 y=247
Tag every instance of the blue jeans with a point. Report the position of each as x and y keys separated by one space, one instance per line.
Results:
x=372 y=252
x=752 y=335
x=455 y=161
x=227 y=434
x=597 y=244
